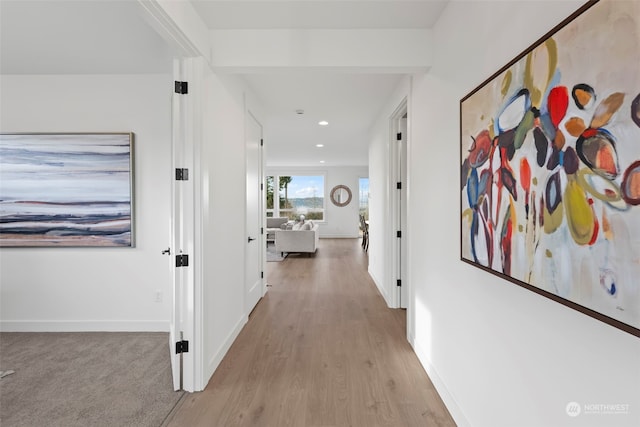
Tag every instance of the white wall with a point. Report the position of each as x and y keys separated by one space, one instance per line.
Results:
x=220 y=118
x=339 y=221
x=343 y=221
x=222 y=162
x=80 y=289
x=380 y=218
x=241 y=49
x=499 y=354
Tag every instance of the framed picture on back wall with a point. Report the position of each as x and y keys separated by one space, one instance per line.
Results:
x=66 y=189
x=550 y=166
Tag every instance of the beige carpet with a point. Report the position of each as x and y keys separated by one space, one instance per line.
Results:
x=85 y=379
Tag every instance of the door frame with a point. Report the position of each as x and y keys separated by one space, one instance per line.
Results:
x=402 y=206
x=395 y=244
x=186 y=315
x=187 y=225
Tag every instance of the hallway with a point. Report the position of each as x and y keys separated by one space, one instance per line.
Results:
x=320 y=349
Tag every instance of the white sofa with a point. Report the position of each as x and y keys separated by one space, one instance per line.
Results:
x=274 y=224
x=302 y=237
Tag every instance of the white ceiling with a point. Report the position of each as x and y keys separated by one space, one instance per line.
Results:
x=326 y=14
x=349 y=102
x=111 y=37
x=79 y=37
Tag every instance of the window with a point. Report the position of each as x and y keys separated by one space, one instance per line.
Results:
x=364 y=197
x=270 y=195
x=296 y=195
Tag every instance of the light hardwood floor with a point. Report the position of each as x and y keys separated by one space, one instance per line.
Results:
x=320 y=349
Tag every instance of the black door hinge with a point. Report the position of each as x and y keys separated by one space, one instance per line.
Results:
x=182 y=260
x=182 y=174
x=261 y=230
x=182 y=347
x=261 y=142
x=261 y=187
x=398 y=233
x=181 y=87
x=399 y=136
x=399 y=185
x=399 y=282
x=262 y=274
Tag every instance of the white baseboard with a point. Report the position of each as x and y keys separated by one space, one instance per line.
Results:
x=380 y=289
x=84 y=326
x=338 y=236
x=451 y=404
x=215 y=360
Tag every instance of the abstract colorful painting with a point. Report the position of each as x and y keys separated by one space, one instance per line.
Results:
x=550 y=166
x=66 y=189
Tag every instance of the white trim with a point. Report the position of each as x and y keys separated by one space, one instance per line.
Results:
x=188 y=236
x=449 y=401
x=214 y=362
x=196 y=77
x=161 y=21
x=338 y=236
x=410 y=320
x=84 y=326
x=393 y=206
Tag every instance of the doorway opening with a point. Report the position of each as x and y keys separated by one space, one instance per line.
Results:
x=363 y=211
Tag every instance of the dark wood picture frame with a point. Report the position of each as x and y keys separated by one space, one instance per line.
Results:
x=550 y=167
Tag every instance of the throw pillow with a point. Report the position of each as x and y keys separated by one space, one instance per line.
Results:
x=307 y=226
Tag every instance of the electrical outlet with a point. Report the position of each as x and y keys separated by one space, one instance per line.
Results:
x=158 y=297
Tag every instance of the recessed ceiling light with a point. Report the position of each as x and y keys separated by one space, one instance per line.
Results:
x=321 y=161
x=319 y=145
x=300 y=111
x=323 y=123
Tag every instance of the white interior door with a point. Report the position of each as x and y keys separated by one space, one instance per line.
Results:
x=397 y=248
x=176 y=231
x=186 y=123
x=254 y=224
x=182 y=233
x=402 y=252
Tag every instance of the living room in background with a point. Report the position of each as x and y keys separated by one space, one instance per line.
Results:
x=296 y=195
